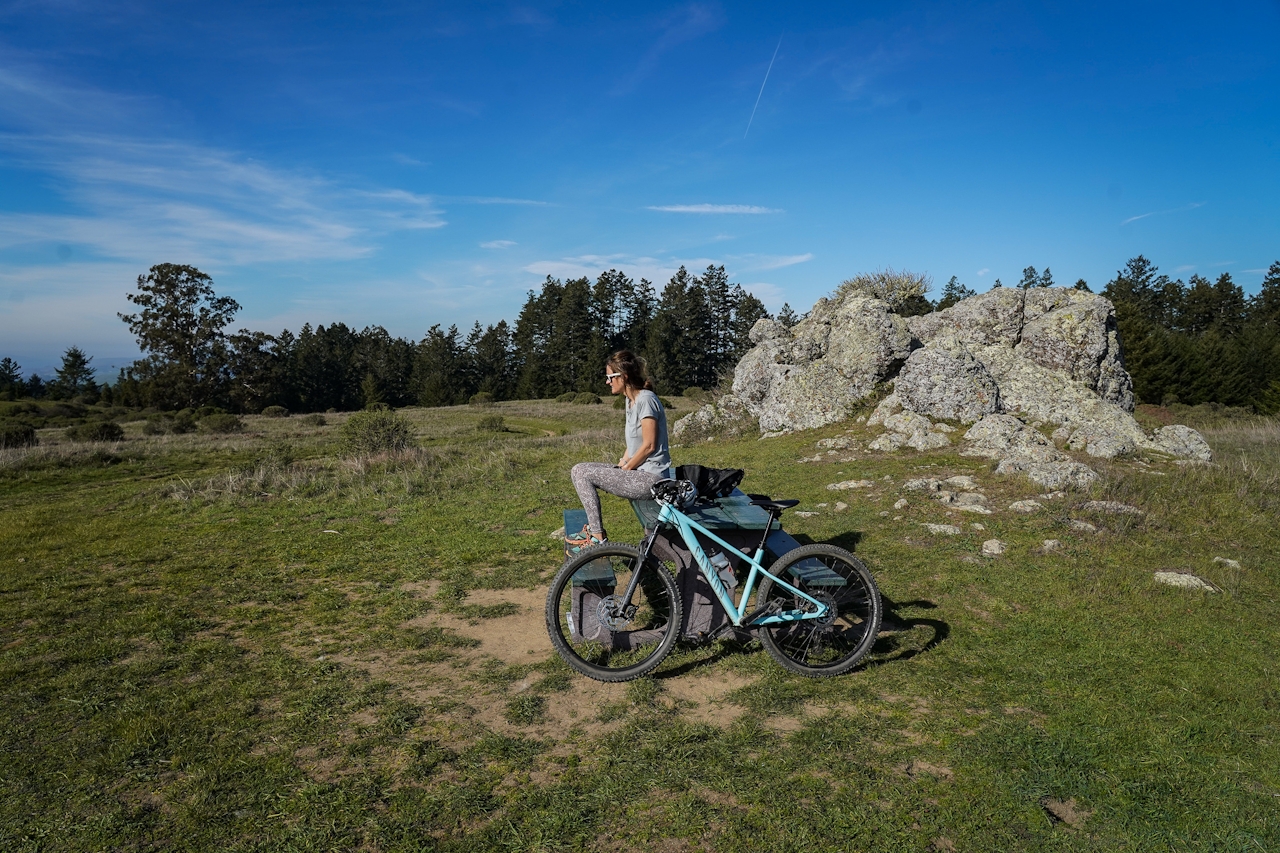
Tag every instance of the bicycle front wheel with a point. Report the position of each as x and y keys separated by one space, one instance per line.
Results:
x=835 y=643
x=597 y=628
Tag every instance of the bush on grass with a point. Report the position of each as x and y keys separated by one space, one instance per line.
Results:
x=376 y=431
x=315 y=419
x=222 y=423
x=481 y=398
x=275 y=412
x=566 y=397
x=100 y=431
x=491 y=423
x=586 y=398
x=17 y=435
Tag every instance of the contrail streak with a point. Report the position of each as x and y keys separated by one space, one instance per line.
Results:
x=766 y=80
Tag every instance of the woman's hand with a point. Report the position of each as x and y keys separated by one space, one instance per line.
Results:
x=648 y=444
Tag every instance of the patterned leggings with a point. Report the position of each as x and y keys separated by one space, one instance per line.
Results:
x=589 y=476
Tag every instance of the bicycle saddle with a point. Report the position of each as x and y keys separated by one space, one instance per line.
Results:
x=766 y=502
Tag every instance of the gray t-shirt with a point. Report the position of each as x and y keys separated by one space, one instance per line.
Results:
x=647 y=405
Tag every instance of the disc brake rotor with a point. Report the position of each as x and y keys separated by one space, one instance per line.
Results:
x=611 y=614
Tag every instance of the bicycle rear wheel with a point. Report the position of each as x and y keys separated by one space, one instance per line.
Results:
x=595 y=630
x=834 y=644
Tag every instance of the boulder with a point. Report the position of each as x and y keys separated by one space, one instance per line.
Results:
x=1181 y=441
x=944 y=380
x=813 y=373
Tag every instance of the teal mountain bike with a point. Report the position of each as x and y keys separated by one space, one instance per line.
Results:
x=613 y=611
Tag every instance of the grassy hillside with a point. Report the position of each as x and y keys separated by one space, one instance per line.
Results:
x=249 y=642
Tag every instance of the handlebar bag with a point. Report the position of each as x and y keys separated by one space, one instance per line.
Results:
x=711 y=483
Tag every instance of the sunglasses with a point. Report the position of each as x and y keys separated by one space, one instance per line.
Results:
x=609 y=377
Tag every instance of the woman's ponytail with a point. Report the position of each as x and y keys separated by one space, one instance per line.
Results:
x=635 y=373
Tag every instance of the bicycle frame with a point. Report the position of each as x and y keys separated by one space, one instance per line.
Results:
x=671 y=516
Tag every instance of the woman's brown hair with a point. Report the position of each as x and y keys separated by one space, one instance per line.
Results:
x=635 y=373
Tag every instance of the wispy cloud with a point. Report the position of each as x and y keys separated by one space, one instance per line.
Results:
x=472 y=199
x=713 y=208
x=687 y=24
x=140 y=198
x=774 y=262
x=659 y=270
x=498 y=244
x=983 y=271
x=1182 y=209
x=656 y=270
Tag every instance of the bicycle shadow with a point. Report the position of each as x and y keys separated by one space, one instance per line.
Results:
x=897 y=632
x=893 y=644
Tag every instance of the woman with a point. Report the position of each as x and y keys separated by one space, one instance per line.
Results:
x=648 y=456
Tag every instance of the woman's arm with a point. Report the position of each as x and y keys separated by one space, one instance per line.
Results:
x=648 y=444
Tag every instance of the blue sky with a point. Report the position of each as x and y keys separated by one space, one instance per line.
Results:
x=411 y=164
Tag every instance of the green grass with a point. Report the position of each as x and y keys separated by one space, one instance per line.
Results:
x=189 y=660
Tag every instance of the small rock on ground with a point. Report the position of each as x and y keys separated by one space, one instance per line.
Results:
x=977 y=526
x=978 y=508
x=1025 y=506
x=841 y=506
x=1230 y=564
x=1051 y=545
x=1185 y=580
x=943 y=529
x=1111 y=507
x=850 y=484
x=900 y=503
x=1083 y=526
x=803 y=514
x=993 y=548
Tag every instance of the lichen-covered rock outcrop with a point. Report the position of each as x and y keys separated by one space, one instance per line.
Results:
x=1046 y=358
x=813 y=373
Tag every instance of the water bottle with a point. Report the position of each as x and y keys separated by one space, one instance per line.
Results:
x=721 y=564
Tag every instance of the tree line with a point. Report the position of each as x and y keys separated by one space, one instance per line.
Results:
x=1199 y=342
x=690 y=333
x=1193 y=343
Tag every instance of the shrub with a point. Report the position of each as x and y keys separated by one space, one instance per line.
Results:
x=482 y=398
x=205 y=411
x=585 y=398
x=315 y=419
x=666 y=404
x=275 y=412
x=375 y=431
x=100 y=431
x=566 y=397
x=17 y=435
x=695 y=393
x=901 y=289
x=184 y=422
x=491 y=423
x=222 y=423
x=620 y=401
x=153 y=428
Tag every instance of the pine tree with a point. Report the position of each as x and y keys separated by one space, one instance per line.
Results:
x=1046 y=279
x=436 y=371
x=1030 y=279
x=748 y=311
x=75 y=376
x=1264 y=308
x=11 y=383
x=997 y=284
x=787 y=315
x=1083 y=285
x=952 y=292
